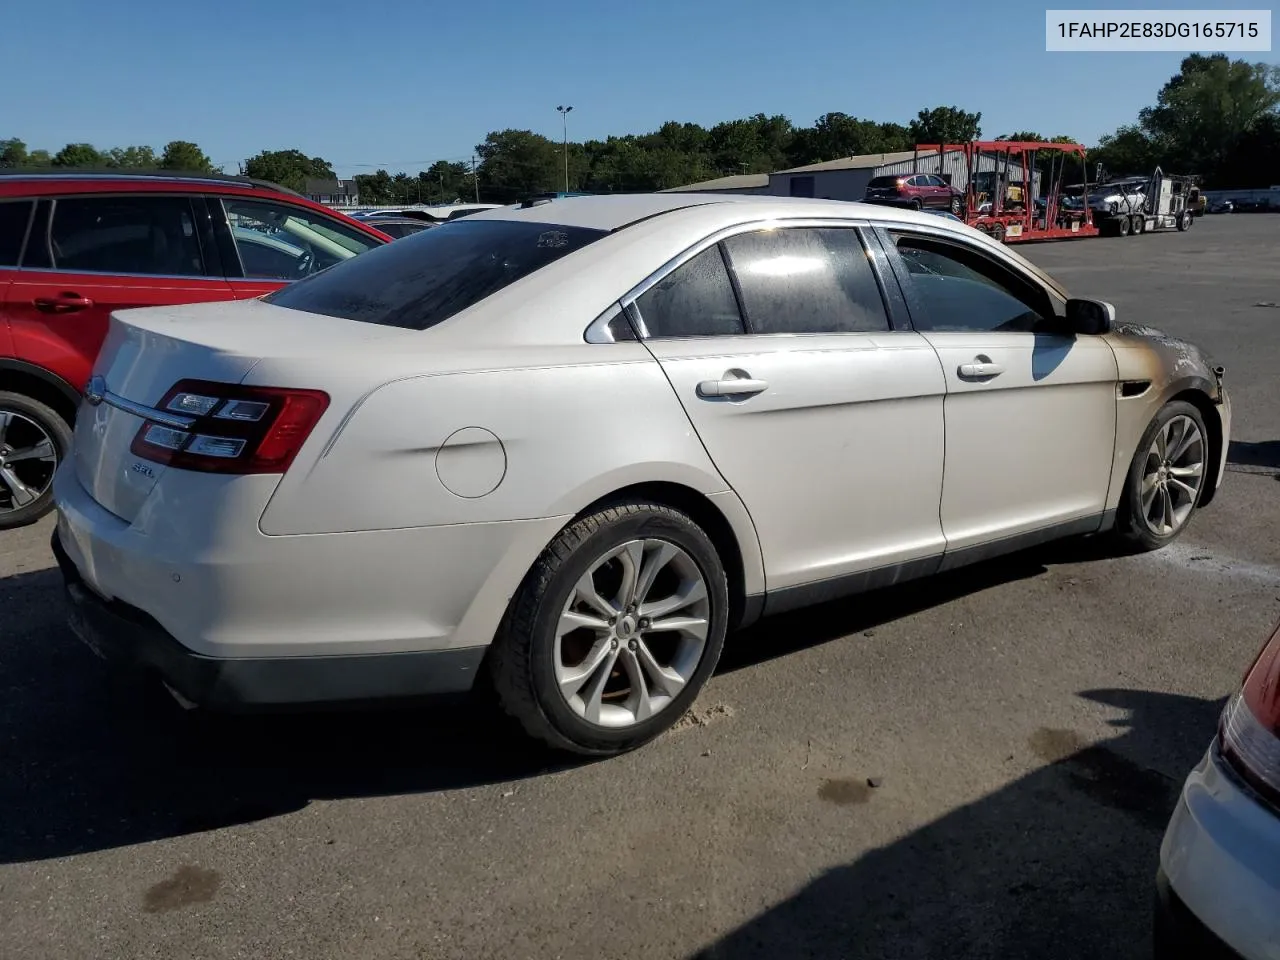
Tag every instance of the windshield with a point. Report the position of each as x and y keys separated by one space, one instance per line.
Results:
x=425 y=279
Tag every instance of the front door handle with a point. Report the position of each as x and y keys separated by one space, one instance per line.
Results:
x=62 y=303
x=731 y=386
x=980 y=369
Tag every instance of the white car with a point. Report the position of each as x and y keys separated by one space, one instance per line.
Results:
x=1218 y=886
x=574 y=442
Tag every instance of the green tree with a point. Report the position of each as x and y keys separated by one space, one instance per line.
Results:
x=445 y=182
x=289 y=168
x=945 y=125
x=13 y=153
x=836 y=135
x=1129 y=150
x=1205 y=109
x=78 y=155
x=374 y=188
x=39 y=158
x=132 y=158
x=186 y=156
x=516 y=163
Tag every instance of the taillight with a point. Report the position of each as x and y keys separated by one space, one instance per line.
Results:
x=900 y=182
x=1250 y=728
x=234 y=429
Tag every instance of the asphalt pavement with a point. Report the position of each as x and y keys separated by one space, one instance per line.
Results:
x=975 y=766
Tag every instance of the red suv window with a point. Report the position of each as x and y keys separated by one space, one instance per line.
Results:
x=14 y=217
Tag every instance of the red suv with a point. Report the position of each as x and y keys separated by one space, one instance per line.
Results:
x=76 y=246
x=916 y=190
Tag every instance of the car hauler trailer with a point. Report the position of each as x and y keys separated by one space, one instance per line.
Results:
x=1000 y=188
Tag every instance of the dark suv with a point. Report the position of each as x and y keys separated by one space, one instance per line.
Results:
x=76 y=246
x=915 y=190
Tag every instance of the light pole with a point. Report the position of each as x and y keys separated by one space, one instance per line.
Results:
x=564 y=116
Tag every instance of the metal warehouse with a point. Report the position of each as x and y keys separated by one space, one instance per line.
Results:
x=847 y=177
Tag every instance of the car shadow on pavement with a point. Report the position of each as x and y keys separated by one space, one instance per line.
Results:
x=794 y=631
x=1260 y=457
x=93 y=761
x=1058 y=864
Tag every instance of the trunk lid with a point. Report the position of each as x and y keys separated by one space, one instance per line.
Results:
x=147 y=351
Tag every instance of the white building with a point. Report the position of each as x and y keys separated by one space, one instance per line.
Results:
x=847 y=177
x=751 y=183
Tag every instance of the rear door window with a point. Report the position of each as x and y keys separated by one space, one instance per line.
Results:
x=806 y=280
x=694 y=300
x=152 y=235
x=425 y=279
x=14 y=217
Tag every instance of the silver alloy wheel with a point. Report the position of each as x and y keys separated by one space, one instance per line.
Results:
x=1172 y=476
x=28 y=461
x=632 y=633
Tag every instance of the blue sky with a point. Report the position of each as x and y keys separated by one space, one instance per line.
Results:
x=398 y=83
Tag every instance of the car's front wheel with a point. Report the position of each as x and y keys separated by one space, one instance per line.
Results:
x=33 y=441
x=1166 y=478
x=614 y=630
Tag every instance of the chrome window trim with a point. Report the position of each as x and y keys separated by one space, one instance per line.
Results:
x=628 y=300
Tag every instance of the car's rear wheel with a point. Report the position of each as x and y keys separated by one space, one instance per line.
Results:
x=614 y=631
x=916 y=204
x=956 y=206
x=1166 y=478
x=33 y=441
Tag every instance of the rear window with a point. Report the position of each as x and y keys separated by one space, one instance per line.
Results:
x=883 y=182
x=425 y=279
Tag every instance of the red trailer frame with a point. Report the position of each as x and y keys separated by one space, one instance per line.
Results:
x=1019 y=223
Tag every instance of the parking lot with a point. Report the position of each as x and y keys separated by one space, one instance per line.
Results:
x=980 y=765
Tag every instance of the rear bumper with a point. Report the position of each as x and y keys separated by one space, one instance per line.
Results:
x=1220 y=862
x=196 y=563
x=1179 y=934
x=123 y=634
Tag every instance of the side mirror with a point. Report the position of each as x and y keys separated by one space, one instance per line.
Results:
x=1090 y=317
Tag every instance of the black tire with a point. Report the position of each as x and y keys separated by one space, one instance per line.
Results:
x=33 y=412
x=916 y=205
x=1139 y=225
x=1122 y=226
x=997 y=232
x=956 y=206
x=1184 y=220
x=521 y=660
x=1131 y=525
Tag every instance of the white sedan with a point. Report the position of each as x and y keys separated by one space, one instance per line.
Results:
x=1218 y=886
x=575 y=442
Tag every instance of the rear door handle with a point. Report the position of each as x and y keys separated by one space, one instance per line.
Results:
x=980 y=369
x=62 y=303
x=731 y=387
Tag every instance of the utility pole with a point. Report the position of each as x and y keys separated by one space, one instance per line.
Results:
x=475 y=177
x=564 y=117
